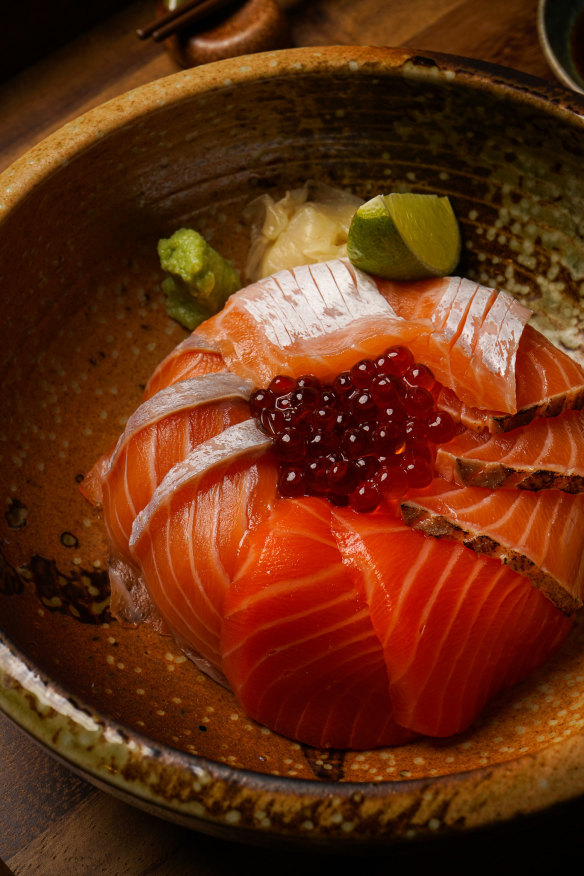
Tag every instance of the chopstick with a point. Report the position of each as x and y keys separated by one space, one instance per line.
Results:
x=186 y=14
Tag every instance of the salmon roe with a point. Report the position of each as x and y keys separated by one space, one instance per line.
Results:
x=367 y=436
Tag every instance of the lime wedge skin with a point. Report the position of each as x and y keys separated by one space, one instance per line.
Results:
x=405 y=236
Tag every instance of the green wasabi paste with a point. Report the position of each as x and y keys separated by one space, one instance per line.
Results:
x=199 y=280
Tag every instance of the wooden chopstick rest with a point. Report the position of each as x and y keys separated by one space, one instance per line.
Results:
x=211 y=30
x=180 y=15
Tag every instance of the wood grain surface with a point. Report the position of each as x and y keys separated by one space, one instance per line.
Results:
x=51 y=821
x=109 y=60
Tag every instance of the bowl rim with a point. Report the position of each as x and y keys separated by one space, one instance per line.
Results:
x=134 y=766
x=136 y=769
x=101 y=121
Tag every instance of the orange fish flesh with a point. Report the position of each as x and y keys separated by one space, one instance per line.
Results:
x=331 y=627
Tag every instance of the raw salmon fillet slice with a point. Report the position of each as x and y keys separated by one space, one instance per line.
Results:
x=160 y=433
x=299 y=649
x=548 y=454
x=347 y=315
x=192 y=357
x=474 y=339
x=186 y=541
x=523 y=529
x=455 y=628
x=262 y=332
x=548 y=383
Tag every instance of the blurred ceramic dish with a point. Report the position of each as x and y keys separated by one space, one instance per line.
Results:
x=556 y=23
x=83 y=327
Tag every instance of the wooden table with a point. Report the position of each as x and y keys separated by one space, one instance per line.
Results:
x=51 y=822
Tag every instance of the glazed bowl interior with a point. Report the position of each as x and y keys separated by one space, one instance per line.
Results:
x=84 y=326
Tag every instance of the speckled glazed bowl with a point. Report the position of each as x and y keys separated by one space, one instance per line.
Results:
x=83 y=325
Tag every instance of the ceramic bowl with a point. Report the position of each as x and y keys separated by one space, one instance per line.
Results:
x=83 y=325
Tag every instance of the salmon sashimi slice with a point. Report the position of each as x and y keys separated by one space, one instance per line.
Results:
x=456 y=340
x=456 y=628
x=558 y=378
x=430 y=300
x=299 y=649
x=549 y=454
x=540 y=535
x=160 y=433
x=262 y=331
x=191 y=358
x=548 y=383
x=187 y=540
x=463 y=348
x=482 y=350
x=475 y=336
x=477 y=419
x=345 y=317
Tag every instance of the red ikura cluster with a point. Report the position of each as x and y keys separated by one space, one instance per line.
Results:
x=369 y=435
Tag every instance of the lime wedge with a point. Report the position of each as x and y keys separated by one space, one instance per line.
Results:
x=405 y=237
